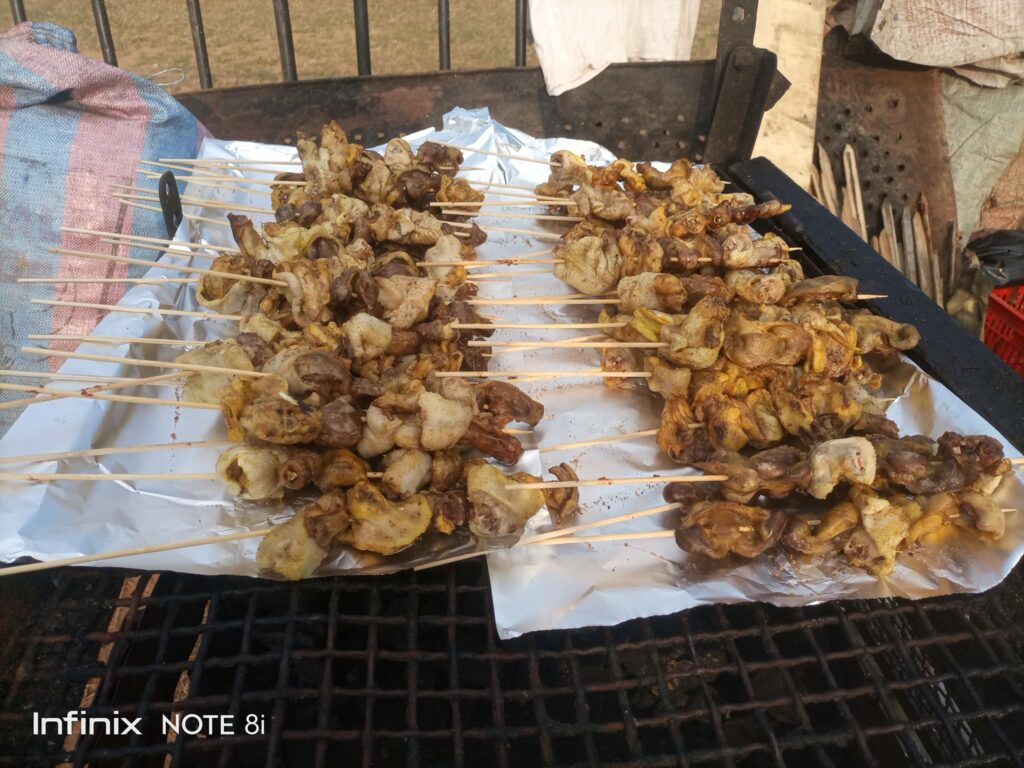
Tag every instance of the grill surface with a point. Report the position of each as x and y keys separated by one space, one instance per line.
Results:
x=407 y=670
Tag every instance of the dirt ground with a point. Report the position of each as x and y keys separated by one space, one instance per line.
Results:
x=153 y=35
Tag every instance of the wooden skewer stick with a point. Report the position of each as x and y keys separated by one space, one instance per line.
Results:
x=143 y=239
x=116 y=340
x=170 y=252
x=600 y=441
x=538 y=216
x=499 y=185
x=506 y=155
x=109 y=280
x=228 y=161
x=143 y=206
x=542 y=345
x=216 y=185
x=545 y=374
x=131 y=551
x=526 y=197
x=484 y=262
x=563 y=532
x=138 y=310
x=116 y=383
x=539 y=234
x=198 y=368
x=543 y=299
x=556 y=536
x=112 y=398
x=546 y=202
x=216 y=162
x=112 y=450
x=57 y=376
x=198 y=202
x=217 y=178
x=650 y=480
x=191 y=217
x=52 y=477
x=512 y=262
x=510 y=274
x=608 y=537
x=172 y=267
x=559 y=326
x=573 y=344
x=192 y=168
x=1017 y=460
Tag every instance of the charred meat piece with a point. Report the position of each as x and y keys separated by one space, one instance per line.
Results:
x=507 y=403
x=495 y=510
x=258 y=350
x=277 y=419
x=446 y=469
x=353 y=291
x=829 y=534
x=880 y=334
x=677 y=438
x=592 y=265
x=651 y=290
x=884 y=526
x=822 y=289
x=341 y=424
x=562 y=503
x=980 y=453
x=775 y=472
x=301 y=469
x=382 y=526
x=253 y=472
x=341 y=469
x=406 y=471
x=851 y=459
x=295 y=549
x=210 y=386
x=450 y=510
x=491 y=441
x=720 y=528
x=751 y=344
x=688 y=494
x=695 y=341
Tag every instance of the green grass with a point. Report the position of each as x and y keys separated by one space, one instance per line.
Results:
x=152 y=35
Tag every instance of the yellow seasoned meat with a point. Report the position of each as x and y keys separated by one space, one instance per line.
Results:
x=383 y=526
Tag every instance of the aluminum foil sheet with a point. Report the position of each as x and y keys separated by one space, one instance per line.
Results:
x=534 y=587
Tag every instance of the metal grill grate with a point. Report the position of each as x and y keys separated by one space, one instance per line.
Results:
x=407 y=670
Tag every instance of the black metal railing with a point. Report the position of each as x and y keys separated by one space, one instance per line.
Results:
x=285 y=41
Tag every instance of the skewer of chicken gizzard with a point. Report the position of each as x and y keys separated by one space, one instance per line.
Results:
x=646 y=221
x=871 y=498
x=345 y=355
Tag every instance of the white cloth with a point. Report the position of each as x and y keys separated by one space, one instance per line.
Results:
x=576 y=39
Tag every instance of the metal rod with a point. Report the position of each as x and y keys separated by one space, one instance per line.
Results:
x=362 y=13
x=283 y=20
x=18 y=11
x=520 y=33
x=195 y=21
x=444 y=36
x=99 y=12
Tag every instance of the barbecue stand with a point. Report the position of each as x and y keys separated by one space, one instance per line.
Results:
x=407 y=670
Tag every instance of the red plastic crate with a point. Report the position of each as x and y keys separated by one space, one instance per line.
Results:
x=1004 y=325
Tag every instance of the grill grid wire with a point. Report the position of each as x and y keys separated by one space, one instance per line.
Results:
x=407 y=670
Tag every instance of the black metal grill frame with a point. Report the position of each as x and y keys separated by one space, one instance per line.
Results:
x=407 y=670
